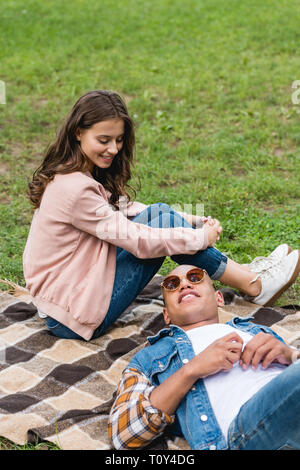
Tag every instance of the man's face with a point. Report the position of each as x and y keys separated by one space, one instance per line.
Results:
x=191 y=304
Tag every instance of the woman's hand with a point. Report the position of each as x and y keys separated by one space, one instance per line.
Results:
x=197 y=221
x=213 y=230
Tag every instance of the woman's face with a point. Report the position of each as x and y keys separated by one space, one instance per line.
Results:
x=102 y=142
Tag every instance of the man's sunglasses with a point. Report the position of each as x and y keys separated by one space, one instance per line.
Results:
x=195 y=276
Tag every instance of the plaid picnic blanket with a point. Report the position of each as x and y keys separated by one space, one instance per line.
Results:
x=62 y=390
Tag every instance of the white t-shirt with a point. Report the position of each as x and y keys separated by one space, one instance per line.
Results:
x=228 y=391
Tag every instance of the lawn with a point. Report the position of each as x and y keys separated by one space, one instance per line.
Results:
x=209 y=84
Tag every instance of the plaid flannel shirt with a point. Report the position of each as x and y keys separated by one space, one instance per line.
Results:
x=133 y=421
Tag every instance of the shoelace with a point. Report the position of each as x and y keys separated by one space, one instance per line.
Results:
x=262 y=263
x=266 y=272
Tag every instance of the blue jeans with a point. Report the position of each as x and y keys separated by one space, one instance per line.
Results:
x=133 y=274
x=270 y=419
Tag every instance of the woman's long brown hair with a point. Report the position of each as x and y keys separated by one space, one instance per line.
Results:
x=66 y=156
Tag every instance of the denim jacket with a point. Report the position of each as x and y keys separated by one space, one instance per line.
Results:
x=169 y=350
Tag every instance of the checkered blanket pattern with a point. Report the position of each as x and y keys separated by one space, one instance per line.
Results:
x=61 y=390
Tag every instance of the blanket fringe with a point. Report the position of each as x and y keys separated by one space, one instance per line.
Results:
x=14 y=289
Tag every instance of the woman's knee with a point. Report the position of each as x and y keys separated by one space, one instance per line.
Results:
x=159 y=208
x=152 y=212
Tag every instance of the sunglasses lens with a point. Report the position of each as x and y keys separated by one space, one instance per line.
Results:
x=195 y=275
x=171 y=283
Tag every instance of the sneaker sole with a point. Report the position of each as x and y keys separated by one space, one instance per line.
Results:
x=287 y=285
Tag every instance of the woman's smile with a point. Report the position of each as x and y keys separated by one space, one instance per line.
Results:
x=107 y=158
x=102 y=142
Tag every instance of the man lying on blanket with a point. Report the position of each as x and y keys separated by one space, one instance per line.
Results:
x=221 y=386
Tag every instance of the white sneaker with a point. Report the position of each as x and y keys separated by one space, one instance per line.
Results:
x=262 y=263
x=277 y=279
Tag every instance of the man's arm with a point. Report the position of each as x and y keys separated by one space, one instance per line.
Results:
x=133 y=421
x=219 y=356
x=141 y=411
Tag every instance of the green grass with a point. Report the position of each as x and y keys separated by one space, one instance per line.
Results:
x=5 y=444
x=209 y=85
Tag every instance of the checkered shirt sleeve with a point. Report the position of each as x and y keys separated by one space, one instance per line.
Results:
x=133 y=421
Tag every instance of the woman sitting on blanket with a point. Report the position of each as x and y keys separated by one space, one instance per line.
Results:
x=90 y=250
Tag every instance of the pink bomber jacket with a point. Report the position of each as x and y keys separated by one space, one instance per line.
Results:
x=69 y=259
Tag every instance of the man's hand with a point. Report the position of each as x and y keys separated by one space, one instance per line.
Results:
x=219 y=356
x=264 y=348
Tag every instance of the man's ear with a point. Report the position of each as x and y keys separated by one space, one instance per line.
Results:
x=220 y=298
x=166 y=316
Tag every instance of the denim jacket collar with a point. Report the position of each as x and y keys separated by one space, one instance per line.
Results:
x=174 y=330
